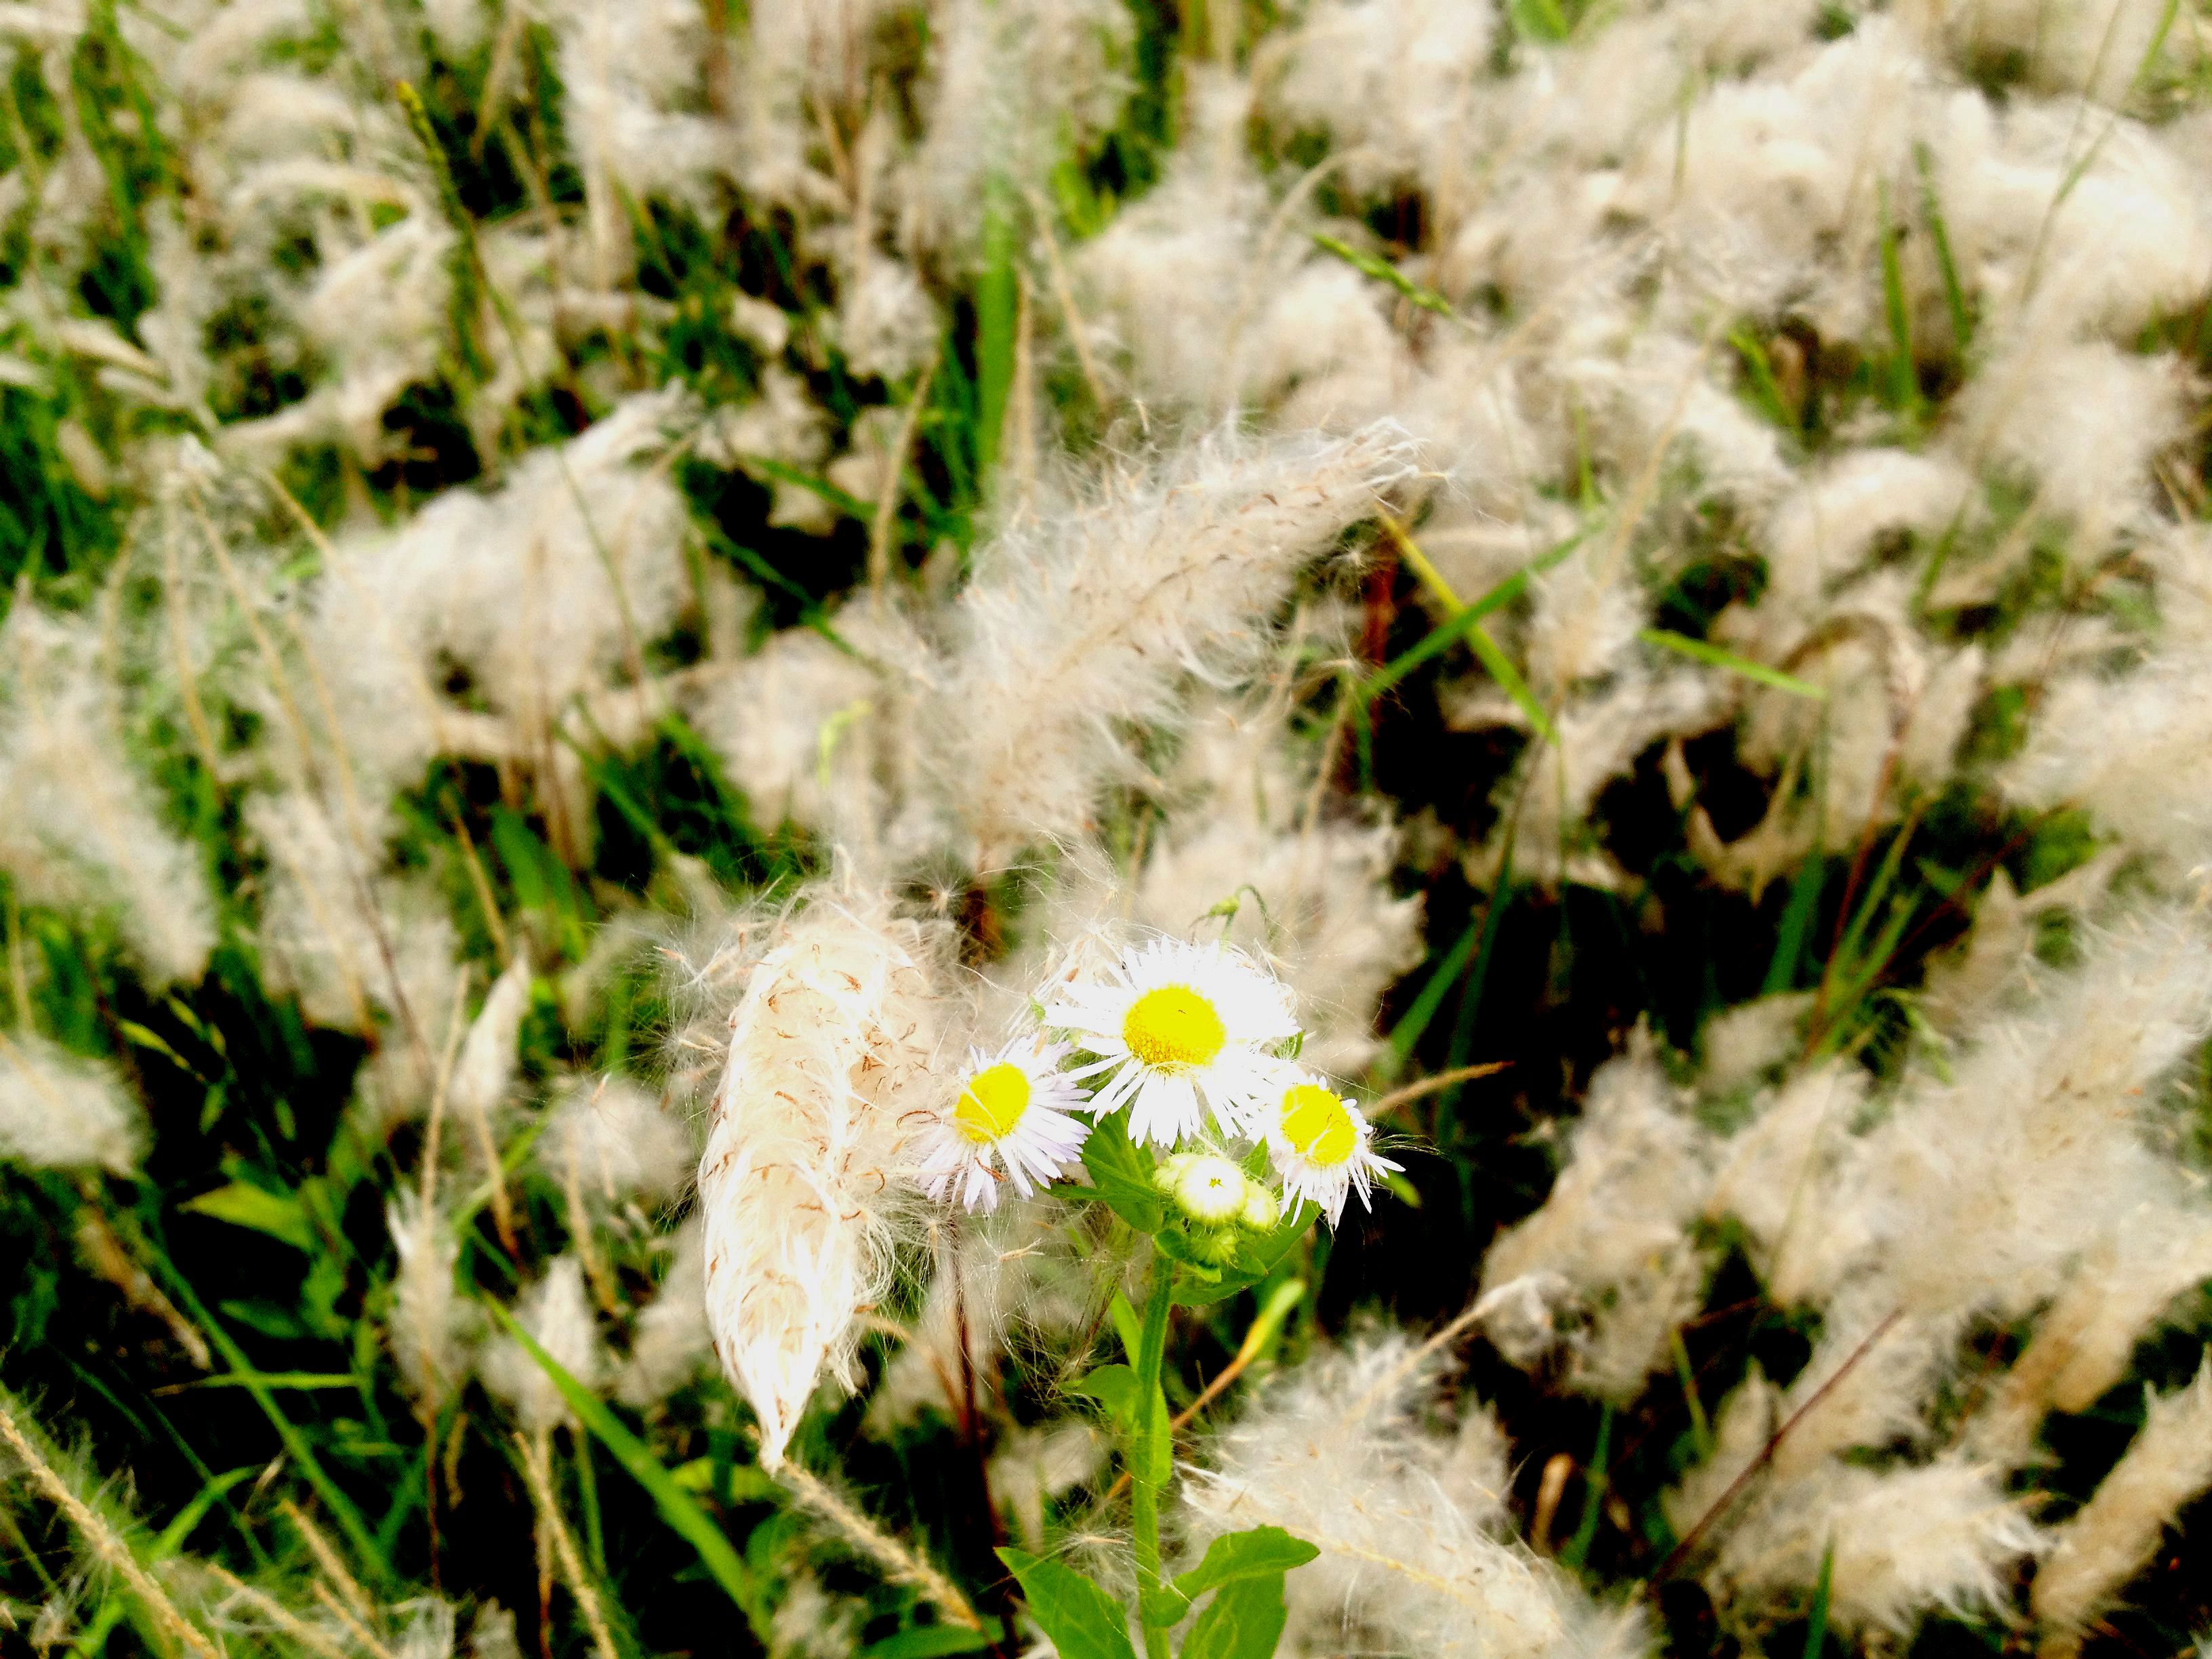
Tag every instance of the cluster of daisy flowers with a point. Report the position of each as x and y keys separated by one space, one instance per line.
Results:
x=1196 y=1042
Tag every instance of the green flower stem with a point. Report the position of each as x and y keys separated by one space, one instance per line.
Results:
x=1151 y=1346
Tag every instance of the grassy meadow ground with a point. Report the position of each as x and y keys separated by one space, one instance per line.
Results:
x=1649 y=557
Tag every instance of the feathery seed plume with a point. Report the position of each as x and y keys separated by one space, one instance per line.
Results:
x=829 y=1069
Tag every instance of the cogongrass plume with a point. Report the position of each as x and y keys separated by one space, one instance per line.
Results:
x=829 y=1058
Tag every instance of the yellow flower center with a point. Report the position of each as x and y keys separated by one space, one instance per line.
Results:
x=993 y=1103
x=1174 y=1028
x=1318 y=1124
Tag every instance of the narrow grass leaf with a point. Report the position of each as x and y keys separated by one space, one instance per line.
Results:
x=1444 y=637
x=1383 y=271
x=1714 y=656
x=677 y=1506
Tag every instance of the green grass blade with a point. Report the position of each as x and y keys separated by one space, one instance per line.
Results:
x=1442 y=638
x=1760 y=368
x=1383 y=271
x=1714 y=657
x=1797 y=923
x=1701 y=1430
x=1947 y=265
x=677 y=1507
x=1415 y=1020
x=1595 y=1486
x=1491 y=657
x=996 y=305
x=342 y=1508
x=1904 y=377
x=1816 y=1624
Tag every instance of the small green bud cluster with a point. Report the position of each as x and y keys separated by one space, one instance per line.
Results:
x=1218 y=1200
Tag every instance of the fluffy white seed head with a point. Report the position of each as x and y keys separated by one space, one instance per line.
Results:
x=670 y=1342
x=1614 y=1233
x=81 y=826
x=828 y=1063
x=614 y=1141
x=431 y=1324
x=1908 y=1540
x=1095 y=618
x=557 y=1313
x=1409 y=1512
x=2166 y=1468
x=59 y=1111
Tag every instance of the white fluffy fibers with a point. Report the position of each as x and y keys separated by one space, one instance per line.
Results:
x=614 y=1140
x=830 y=1056
x=1093 y=617
x=670 y=1339
x=82 y=826
x=1410 y=1518
x=1983 y=1193
x=1907 y=1540
x=485 y=1068
x=1615 y=1227
x=557 y=1311
x=2166 y=1467
x=58 y=1110
x=430 y=1322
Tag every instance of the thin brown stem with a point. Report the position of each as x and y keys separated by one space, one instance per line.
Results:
x=1723 y=1503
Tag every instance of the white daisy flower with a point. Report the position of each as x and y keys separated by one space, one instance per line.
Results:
x=1175 y=1026
x=1321 y=1144
x=1012 y=1109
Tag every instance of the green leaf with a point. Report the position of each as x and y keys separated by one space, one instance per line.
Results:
x=1538 y=19
x=1713 y=657
x=1245 y=1621
x=1196 y=1288
x=280 y=1215
x=1164 y=1609
x=741 y=1483
x=1123 y=1175
x=1260 y=1254
x=1113 y=1387
x=1127 y=1325
x=928 y=1642
x=677 y=1507
x=1082 y=1620
x=1255 y=1553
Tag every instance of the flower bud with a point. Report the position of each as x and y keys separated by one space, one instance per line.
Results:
x=1210 y=1189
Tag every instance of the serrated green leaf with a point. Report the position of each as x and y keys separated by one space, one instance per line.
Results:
x=1163 y=1607
x=1082 y=1620
x=928 y=1642
x=1113 y=1387
x=280 y=1216
x=1255 y=1553
x=1259 y=1254
x=1199 y=1288
x=1123 y=1175
x=1245 y=1621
